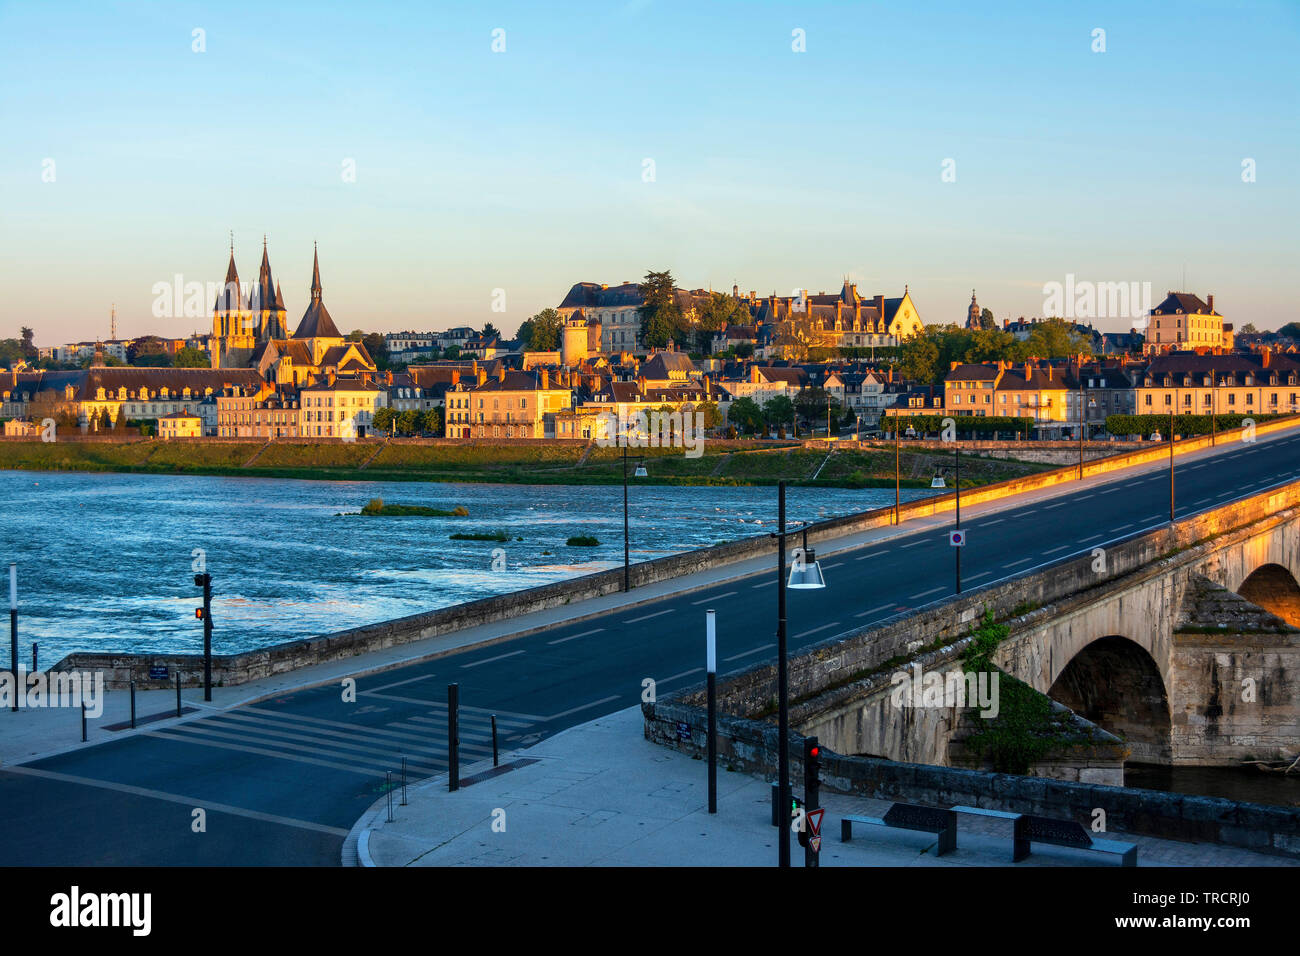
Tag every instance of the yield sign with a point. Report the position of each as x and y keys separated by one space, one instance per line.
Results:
x=814 y=819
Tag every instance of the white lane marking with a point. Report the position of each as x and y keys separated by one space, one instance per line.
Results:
x=263 y=752
x=399 y=738
x=994 y=521
x=594 y=703
x=815 y=630
x=384 y=752
x=912 y=545
x=883 y=607
x=754 y=650
x=913 y=597
x=574 y=637
x=439 y=704
x=835 y=565
x=1085 y=497
x=177 y=798
x=1059 y=504
x=873 y=554
x=693 y=670
x=1095 y=537
x=716 y=597
x=489 y=660
x=976 y=577
x=762 y=584
x=409 y=680
x=1014 y=563
x=1054 y=550
x=646 y=617
x=1121 y=527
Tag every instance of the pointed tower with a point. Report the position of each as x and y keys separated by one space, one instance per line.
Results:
x=269 y=307
x=973 y=313
x=316 y=326
x=225 y=311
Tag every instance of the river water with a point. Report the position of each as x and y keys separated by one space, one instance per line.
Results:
x=105 y=559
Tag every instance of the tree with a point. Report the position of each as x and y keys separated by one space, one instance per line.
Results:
x=712 y=417
x=191 y=358
x=1249 y=329
x=661 y=316
x=29 y=347
x=745 y=414
x=778 y=411
x=146 y=345
x=431 y=421
x=918 y=358
x=382 y=420
x=11 y=352
x=812 y=403
x=490 y=331
x=987 y=321
x=717 y=312
x=1056 y=338
x=1290 y=330
x=542 y=332
x=408 y=421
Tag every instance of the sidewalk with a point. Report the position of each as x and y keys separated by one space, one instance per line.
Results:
x=30 y=734
x=600 y=794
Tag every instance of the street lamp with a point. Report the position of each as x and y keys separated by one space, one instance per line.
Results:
x=782 y=678
x=627 y=552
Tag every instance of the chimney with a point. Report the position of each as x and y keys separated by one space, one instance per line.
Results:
x=1211 y=305
x=474 y=368
x=455 y=377
x=546 y=379
x=388 y=377
x=329 y=377
x=1263 y=359
x=1026 y=370
x=501 y=372
x=953 y=365
x=480 y=375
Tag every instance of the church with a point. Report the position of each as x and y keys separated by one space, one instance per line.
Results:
x=249 y=331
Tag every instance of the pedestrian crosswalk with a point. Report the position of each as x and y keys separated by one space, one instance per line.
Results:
x=371 y=750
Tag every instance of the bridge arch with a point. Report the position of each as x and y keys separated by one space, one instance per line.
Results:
x=1274 y=588
x=1115 y=683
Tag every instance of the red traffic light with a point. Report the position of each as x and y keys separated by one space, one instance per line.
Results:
x=815 y=751
x=198 y=612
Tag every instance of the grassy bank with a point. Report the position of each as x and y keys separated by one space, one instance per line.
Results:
x=723 y=463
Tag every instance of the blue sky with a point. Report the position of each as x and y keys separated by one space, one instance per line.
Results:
x=522 y=170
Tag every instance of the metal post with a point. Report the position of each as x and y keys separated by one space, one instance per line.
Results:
x=627 y=573
x=388 y=789
x=178 y=693
x=711 y=665
x=495 y=760
x=958 y=550
x=403 y=779
x=1083 y=411
x=783 y=702
x=133 y=705
x=895 y=467
x=207 y=637
x=1214 y=411
x=83 y=722
x=811 y=798
x=453 y=737
x=1171 y=465
x=34 y=667
x=13 y=629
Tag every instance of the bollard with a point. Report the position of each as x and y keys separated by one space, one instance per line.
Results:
x=453 y=737
x=83 y=722
x=494 y=740
x=403 y=780
x=178 y=694
x=388 y=786
x=133 y=705
x=34 y=667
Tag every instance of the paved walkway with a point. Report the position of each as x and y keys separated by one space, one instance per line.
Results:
x=600 y=794
x=29 y=734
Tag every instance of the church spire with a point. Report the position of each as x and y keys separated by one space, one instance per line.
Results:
x=315 y=274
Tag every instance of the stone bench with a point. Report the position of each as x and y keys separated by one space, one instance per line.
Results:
x=907 y=816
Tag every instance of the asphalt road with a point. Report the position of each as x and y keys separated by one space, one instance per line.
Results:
x=282 y=781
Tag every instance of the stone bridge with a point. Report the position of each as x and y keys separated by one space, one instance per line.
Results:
x=1182 y=645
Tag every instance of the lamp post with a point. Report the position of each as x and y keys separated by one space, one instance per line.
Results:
x=1214 y=411
x=627 y=545
x=895 y=467
x=13 y=630
x=957 y=551
x=1171 y=464
x=805 y=575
